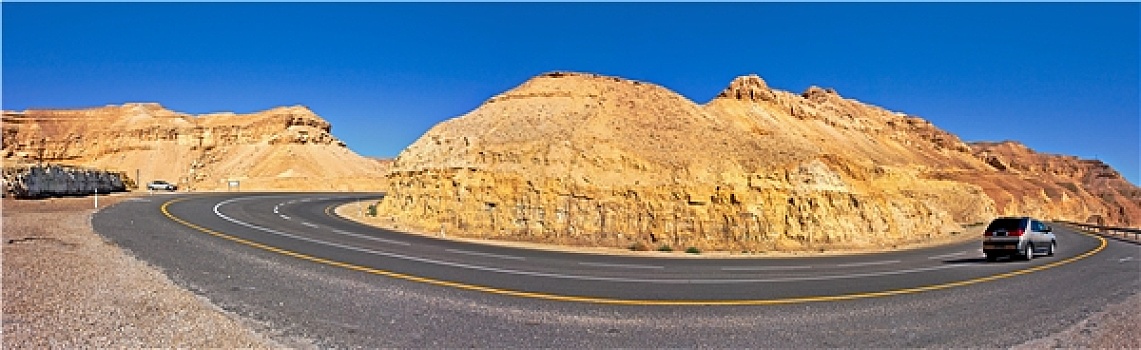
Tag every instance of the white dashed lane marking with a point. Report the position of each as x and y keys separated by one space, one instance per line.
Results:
x=457 y=251
x=375 y=239
x=937 y=257
x=626 y=266
x=764 y=268
x=870 y=263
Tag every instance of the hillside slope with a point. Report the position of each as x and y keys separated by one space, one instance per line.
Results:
x=585 y=159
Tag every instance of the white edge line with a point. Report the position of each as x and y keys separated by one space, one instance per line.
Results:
x=562 y=276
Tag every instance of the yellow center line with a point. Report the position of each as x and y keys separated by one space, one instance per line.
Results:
x=616 y=301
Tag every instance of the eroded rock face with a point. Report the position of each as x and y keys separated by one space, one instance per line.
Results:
x=585 y=159
x=281 y=148
x=1023 y=181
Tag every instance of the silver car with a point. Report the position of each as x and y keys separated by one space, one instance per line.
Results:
x=1018 y=236
x=161 y=185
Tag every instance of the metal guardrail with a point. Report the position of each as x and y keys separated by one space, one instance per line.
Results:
x=1109 y=230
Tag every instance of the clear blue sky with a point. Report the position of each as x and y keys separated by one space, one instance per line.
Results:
x=1062 y=78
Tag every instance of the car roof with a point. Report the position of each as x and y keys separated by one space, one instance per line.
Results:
x=1015 y=217
x=1022 y=220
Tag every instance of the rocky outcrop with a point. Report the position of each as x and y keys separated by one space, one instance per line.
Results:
x=281 y=148
x=1025 y=182
x=53 y=180
x=586 y=159
x=592 y=160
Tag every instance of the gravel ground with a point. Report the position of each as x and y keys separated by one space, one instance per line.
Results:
x=65 y=287
x=1115 y=327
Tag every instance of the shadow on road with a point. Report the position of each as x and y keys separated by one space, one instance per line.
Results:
x=965 y=261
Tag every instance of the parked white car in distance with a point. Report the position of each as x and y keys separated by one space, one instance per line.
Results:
x=161 y=185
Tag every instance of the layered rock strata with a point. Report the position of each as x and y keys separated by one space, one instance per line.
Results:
x=285 y=148
x=592 y=160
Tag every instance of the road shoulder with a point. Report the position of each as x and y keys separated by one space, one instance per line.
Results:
x=64 y=286
x=1114 y=327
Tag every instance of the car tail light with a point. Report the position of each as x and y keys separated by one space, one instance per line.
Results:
x=1016 y=233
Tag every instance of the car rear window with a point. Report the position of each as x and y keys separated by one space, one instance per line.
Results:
x=1005 y=224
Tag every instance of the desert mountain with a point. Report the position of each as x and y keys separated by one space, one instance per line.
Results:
x=285 y=148
x=586 y=159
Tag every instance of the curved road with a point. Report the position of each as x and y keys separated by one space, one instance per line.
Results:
x=279 y=259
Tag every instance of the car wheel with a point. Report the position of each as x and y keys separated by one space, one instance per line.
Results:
x=1029 y=252
x=1052 y=247
x=991 y=257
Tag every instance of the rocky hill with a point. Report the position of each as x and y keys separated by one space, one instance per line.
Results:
x=592 y=160
x=1053 y=186
x=285 y=148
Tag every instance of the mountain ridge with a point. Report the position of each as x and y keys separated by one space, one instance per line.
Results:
x=281 y=148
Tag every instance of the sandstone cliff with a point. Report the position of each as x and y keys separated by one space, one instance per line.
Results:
x=593 y=160
x=285 y=148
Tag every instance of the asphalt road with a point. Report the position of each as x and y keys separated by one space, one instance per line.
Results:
x=285 y=261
